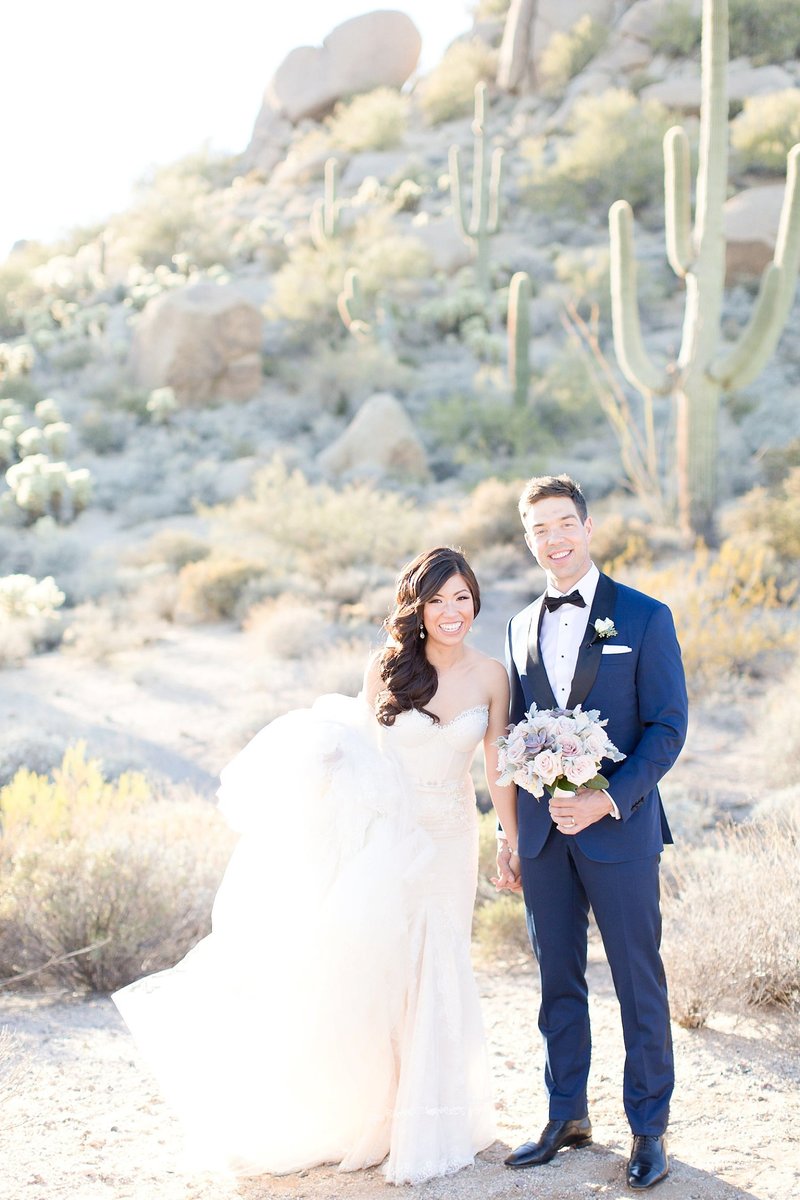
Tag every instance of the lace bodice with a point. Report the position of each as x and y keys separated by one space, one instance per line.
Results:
x=434 y=761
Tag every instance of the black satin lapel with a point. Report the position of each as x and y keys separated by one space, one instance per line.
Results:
x=589 y=656
x=540 y=688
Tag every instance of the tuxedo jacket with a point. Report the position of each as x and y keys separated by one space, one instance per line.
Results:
x=635 y=678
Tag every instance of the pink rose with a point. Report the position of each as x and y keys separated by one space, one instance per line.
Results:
x=569 y=745
x=595 y=744
x=515 y=751
x=581 y=769
x=548 y=766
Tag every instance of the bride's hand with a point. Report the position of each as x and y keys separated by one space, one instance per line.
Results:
x=508 y=871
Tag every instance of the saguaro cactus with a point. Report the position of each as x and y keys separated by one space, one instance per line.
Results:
x=519 y=333
x=350 y=303
x=484 y=219
x=705 y=366
x=325 y=215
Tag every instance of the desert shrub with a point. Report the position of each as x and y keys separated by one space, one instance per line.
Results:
x=175 y=548
x=341 y=377
x=775 y=517
x=340 y=668
x=729 y=609
x=677 y=32
x=313 y=530
x=730 y=916
x=776 y=462
x=372 y=121
x=89 y=863
x=288 y=627
x=766 y=129
x=449 y=90
x=476 y=429
x=619 y=541
x=764 y=30
x=211 y=589
x=171 y=213
x=777 y=729
x=450 y=312
x=100 y=631
x=489 y=517
x=612 y=151
x=499 y=931
x=29 y=747
x=28 y=617
x=567 y=53
x=487 y=10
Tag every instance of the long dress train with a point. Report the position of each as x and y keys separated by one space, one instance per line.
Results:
x=332 y=1015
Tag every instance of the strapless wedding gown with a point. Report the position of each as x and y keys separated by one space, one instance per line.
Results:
x=332 y=1015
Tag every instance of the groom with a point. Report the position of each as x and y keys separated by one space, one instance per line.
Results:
x=594 y=642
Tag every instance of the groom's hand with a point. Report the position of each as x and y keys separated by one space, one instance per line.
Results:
x=508 y=871
x=575 y=813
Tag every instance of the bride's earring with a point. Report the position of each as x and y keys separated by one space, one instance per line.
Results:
x=422 y=633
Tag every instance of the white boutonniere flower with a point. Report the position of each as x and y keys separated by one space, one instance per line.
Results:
x=603 y=628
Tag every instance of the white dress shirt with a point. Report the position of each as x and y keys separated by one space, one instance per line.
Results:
x=560 y=639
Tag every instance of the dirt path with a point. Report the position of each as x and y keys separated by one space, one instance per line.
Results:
x=87 y=1123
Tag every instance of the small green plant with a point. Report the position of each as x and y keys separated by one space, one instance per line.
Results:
x=613 y=145
x=372 y=121
x=162 y=403
x=483 y=221
x=519 y=334
x=677 y=32
x=448 y=91
x=566 y=54
x=325 y=215
x=766 y=129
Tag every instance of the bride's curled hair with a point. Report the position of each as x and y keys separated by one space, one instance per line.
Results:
x=409 y=680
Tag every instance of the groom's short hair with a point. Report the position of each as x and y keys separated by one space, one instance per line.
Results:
x=542 y=487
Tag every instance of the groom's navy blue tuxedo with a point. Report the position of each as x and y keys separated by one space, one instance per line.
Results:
x=635 y=678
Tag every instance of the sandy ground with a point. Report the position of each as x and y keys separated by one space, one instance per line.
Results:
x=87 y=1122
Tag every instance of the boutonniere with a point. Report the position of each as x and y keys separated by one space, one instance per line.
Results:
x=603 y=628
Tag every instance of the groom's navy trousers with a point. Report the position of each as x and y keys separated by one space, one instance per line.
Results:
x=612 y=865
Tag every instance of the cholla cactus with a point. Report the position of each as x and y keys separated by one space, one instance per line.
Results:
x=705 y=367
x=44 y=488
x=56 y=438
x=80 y=489
x=30 y=441
x=47 y=412
x=15 y=423
x=23 y=596
x=8 y=448
x=161 y=404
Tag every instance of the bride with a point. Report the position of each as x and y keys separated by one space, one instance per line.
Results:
x=332 y=1015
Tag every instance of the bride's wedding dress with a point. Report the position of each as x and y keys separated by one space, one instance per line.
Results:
x=332 y=1015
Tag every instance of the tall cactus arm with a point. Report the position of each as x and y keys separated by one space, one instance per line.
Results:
x=350 y=303
x=741 y=365
x=635 y=363
x=749 y=356
x=325 y=215
x=493 y=223
x=677 y=200
x=457 y=191
x=519 y=332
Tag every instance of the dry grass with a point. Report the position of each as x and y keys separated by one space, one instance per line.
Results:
x=732 y=616
x=730 y=917
x=102 y=882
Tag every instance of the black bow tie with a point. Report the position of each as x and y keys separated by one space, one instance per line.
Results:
x=554 y=602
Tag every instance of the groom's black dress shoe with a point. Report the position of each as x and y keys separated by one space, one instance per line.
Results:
x=555 y=1136
x=648 y=1163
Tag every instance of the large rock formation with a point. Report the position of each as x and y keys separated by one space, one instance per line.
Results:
x=378 y=49
x=530 y=25
x=380 y=441
x=203 y=341
x=751 y=230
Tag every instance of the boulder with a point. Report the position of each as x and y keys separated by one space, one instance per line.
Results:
x=378 y=49
x=203 y=341
x=530 y=25
x=269 y=140
x=643 y=18
x=449 y=252
x=380 y=441
x=751 y=230
x=682 y=91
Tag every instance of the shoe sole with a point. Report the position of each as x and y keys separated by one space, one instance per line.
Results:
x=577 y=1144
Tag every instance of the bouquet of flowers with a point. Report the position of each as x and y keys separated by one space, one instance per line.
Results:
x=555 y=748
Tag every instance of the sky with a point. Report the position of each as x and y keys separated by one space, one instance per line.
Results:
x=94 y=93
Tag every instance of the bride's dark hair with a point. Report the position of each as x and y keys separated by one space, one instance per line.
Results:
x=409 y=679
